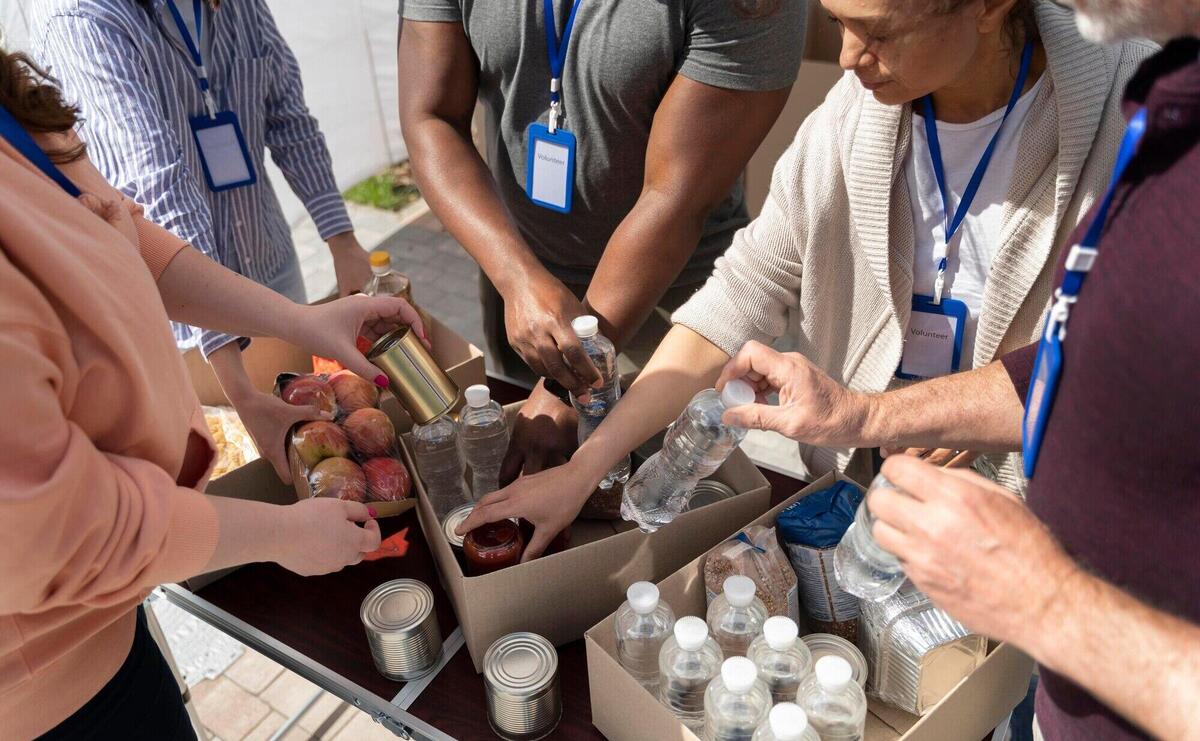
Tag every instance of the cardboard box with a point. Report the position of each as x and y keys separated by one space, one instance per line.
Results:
x=622 y=709
x=561 y=595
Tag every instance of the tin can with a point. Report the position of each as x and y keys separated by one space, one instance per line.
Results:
x=402 y=629
x=520 y=674
x=827 y=644
x=454 y=518
x=707 y=492
x=424 y=389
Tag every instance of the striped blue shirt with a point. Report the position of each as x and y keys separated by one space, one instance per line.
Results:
x=136 y=86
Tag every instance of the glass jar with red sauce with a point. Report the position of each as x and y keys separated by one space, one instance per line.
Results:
x=494 y=546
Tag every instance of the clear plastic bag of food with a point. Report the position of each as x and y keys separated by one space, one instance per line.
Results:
x=235 y=447
x=355 y=456
x=755 y=553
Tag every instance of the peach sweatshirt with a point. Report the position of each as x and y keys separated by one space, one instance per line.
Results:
x=98 y=419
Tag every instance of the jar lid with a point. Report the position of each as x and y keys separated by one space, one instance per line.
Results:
x=520 y=665
x=397 y=606
x=454 y=518
x=827 y=644
x=708 y=492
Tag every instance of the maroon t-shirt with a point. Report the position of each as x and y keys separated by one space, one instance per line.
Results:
x=1118 y=478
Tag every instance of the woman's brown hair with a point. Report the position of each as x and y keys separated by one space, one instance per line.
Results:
x=33 y=98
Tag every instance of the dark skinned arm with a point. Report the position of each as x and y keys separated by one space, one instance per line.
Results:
x=700 y=142
x=441 y=82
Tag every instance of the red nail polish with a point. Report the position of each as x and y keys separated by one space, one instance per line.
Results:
x=381 y=381
x=371 y=511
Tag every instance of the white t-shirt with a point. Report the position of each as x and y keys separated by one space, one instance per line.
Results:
x=976 y=241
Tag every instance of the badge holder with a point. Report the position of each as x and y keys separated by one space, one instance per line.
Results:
x=550 y=169
x=223 y=151
x=948 y=307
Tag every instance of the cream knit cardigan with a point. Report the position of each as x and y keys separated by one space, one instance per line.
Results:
x=831 y=255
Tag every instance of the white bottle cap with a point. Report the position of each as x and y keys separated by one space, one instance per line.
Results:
x=738 y=673
x=585 y=326
x=478 y=395
x=690 y=633
x=737 y=393
x=739 y=590
x=643 y=597
x=833 y=672
x=780 y=632
x=788 y=721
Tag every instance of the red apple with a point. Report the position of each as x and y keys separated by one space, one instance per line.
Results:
x=371 y=432
x=310 y=391
x=340 y=478
x=353 y=392
x=316 y=441
x=387 y=479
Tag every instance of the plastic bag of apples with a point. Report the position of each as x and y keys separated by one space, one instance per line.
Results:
x=355 y=456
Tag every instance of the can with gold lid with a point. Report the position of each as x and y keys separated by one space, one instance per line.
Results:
x=423 y=388
x=520 y=674
x=402 y=629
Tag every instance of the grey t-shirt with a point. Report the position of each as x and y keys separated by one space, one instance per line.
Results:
x=622 y=57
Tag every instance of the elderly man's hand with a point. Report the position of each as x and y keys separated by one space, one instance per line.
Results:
x=813 y=408
x=973 y=547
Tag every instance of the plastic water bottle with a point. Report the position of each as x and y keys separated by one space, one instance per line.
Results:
x=695 y=445
x=601 y=401
x=483 y=436
x=835 y=704
x=786 y=722
x=863 y=568
x=435 y=446
x=644 y=622
x=736 y=703
x=736 y=616
x=782 y=659
x=689 y=660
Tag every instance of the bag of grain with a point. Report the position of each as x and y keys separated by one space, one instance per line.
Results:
x=811 y=529
x=755 y=553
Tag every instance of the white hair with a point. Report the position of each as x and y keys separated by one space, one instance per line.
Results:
x=1106 y=21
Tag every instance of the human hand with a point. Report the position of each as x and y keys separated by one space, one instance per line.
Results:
x=330 y=330
x=972 y=546
x=550 y=500
x=544 y=434
x=321 y=535
x=538 y=320
x=351 y=264
x=945 y=457
x=269 y=419
x=813 y=408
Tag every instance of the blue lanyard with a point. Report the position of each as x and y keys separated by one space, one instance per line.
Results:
x=1083 y=255
x=17 y=136
x=194 y=46
x=935 y=154
x=557 y=50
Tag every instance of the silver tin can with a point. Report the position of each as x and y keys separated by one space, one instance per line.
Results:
x=520 y=674
x=402 y=629
x=454 y=518
x=708 y=492
x=827 y=644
